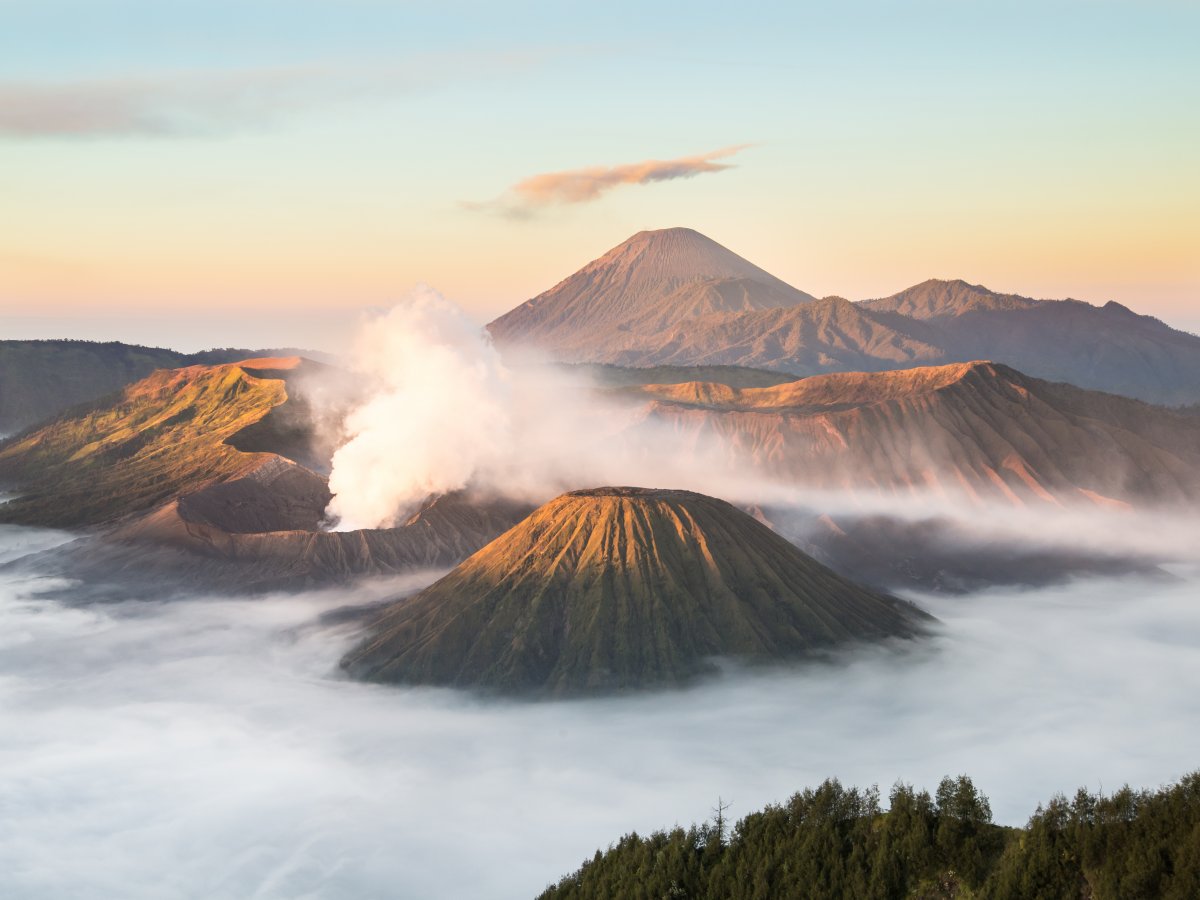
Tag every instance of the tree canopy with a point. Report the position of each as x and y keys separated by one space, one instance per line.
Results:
x=838 y=842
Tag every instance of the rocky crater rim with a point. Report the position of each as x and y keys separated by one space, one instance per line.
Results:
x=640 y=493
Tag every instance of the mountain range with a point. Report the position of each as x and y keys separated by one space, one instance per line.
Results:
x=675 y=297
x=979 y=431
x=214 y=476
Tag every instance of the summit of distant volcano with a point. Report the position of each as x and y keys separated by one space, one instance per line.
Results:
x=652 y=281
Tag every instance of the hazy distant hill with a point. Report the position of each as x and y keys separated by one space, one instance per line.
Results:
x=979 y=429
x=1108 y=348
x=827 y=335
x=628 y=308
x=39 y=379
x=608 y=375
x=934 y=299
x=619 y=588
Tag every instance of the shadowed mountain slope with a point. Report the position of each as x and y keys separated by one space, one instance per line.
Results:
x=979 y=429
x=1108 y=348
x=826 y=335
x=166 y=554
x=619 y=588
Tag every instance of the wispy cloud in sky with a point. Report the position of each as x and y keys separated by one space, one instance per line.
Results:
x=198 y=103
x=588 y=184
x=174 y=104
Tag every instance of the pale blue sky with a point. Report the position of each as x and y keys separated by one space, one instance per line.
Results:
x=222 y=156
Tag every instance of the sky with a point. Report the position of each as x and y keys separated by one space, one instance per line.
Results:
x=204 y=173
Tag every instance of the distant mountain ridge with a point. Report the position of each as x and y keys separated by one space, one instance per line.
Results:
x=935 y=298
x=635 y=306
x=978 y=429
x=39 y=379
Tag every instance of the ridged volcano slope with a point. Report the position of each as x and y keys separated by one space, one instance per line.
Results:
x=979 y=429
x=652 y=281
x=619 y=588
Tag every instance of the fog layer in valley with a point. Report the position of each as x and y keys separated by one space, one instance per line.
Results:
x=209 y=749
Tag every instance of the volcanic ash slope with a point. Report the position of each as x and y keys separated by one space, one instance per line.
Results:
x=619 y=588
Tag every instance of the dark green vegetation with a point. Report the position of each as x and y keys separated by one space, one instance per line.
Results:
x=39 y=379
x=620 y=588
x=834 y=842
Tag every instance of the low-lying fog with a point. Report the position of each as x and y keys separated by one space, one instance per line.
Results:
x=208 y=749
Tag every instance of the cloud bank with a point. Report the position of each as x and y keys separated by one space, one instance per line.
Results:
x=208 y=749
x=588 y=184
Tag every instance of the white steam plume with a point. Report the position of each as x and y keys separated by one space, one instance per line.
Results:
x=443 y=412
x=438 y=409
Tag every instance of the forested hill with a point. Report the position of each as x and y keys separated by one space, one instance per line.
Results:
x=835 y=842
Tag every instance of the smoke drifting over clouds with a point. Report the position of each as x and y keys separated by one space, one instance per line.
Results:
x=208 y=749
x=588 y=184
x=444 y=412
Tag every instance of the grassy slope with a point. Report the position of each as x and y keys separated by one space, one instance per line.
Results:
x=39 y=379
x=164 y=435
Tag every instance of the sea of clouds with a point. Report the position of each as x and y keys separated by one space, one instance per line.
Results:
x=210 y=748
